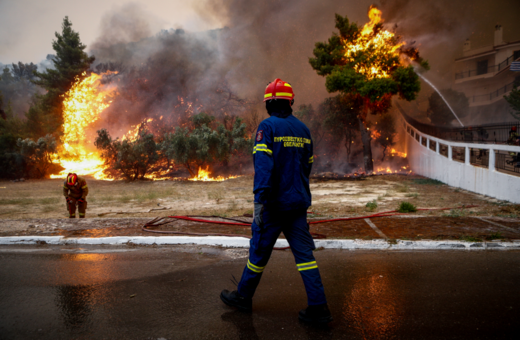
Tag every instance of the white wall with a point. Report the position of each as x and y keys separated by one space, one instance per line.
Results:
x=486 y=181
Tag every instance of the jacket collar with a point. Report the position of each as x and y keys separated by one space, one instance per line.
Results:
x=281 y=115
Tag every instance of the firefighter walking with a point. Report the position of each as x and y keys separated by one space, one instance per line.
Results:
x=283 y=160
x=75 y=190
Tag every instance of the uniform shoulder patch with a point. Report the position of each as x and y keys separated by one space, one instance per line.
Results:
x=259 y=135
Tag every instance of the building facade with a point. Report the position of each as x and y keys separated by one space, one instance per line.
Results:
x=484 y=75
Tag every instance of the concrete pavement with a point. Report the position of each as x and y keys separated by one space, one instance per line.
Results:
x=171 y=292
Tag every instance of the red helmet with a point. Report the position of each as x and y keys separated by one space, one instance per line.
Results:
x=72 y=179
x=513 y=128
x=279 y=89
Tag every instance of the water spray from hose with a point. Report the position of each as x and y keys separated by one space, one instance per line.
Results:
x=440 y=94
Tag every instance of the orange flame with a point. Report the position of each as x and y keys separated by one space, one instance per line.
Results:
x=397 y=153
x=376 y=41
x=375 y=134
x=132 y=134
x=204 y=176
x=83 y=104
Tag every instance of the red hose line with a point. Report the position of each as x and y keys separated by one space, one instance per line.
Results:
x=316 y=235
x=379 y=214
x=186 y=218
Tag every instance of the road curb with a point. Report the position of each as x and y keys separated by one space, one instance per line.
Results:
x=241 y=242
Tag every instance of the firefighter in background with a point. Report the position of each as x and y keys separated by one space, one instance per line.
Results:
x=514 y=139
x=75 y=190
x=283 y=160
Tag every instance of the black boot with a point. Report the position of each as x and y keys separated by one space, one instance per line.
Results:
x=316 y=314
x=234 y=299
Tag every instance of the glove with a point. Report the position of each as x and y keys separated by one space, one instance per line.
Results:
x=69 y=201
x=81 y=200
x=259 y=209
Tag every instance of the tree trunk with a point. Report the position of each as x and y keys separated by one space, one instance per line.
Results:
x=367 y=149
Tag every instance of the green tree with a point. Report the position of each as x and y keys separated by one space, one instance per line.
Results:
x=314 y=119
x=12 y=163
x=514 y=101
x=17 y=89
x=70 y=63
x=340 y=119
x=440 y=113
x=37 y=155
x=128 y=159
x=2 y=112
x=373 y=73
x=203 y=144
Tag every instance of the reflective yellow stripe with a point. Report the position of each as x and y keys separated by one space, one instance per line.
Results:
x=306 y=266
x=284 y=94
x=288 y=85
x=262 y=147
x=84 y=187
x=80 y=214
x=311 y=159
x=267 y=95
x=65 y=187
x=254 y=268
x=266 y=150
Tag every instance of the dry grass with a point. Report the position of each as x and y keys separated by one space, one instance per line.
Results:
x=43 y=198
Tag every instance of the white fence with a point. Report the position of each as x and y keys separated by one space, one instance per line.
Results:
x=430 y=162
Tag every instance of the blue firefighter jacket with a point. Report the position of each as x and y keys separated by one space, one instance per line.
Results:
x=283 y=160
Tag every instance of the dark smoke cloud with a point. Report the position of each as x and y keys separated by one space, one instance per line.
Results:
x=259 y=43
x=128 y=24
x=267 y=39
x=274 y=39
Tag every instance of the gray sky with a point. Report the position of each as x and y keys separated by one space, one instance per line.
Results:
x=27 y=26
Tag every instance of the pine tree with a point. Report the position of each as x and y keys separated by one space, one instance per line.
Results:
x=71 y=61
x=351 y=72
x=205 y=143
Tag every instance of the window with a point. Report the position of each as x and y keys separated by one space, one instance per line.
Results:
x=482 y=67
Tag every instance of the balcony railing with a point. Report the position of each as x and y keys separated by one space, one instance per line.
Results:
x=491 y=69
x=495 y=94
x=506 y=161
x=483 y=134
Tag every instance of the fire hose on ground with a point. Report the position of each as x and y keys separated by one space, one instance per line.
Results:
x=160 y=221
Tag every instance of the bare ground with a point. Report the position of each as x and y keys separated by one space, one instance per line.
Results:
x=37 y=206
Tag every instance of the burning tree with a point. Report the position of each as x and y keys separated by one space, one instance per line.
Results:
x=37 y=155
x=202 y=144
x=366 y=63
x=46 y=115
x=386 y=133
x=130 y=159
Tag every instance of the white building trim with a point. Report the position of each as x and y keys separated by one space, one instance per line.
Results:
x=486 y=181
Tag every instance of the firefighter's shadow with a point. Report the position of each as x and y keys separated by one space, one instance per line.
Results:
x=243 y=323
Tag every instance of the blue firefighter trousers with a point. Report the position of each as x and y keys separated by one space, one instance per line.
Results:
x=296 y=230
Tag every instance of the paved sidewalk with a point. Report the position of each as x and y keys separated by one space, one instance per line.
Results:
x=396 y=232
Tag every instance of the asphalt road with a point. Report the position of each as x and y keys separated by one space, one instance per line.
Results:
x=173 y=293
